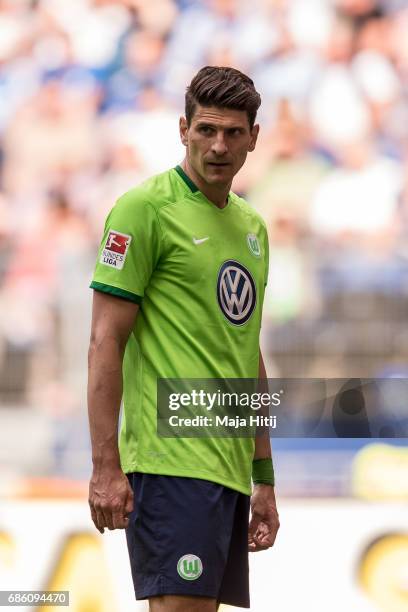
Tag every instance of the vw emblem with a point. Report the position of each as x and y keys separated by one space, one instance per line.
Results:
x=236 y=292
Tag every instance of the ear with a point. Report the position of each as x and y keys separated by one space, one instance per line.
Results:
x=254 y=137
x=183 y=127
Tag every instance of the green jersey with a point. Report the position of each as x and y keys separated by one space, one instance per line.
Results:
x=198 y=273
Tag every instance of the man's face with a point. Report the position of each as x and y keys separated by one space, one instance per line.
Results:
x=218 y=141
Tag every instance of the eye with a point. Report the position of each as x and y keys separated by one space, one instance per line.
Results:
x=205 y=129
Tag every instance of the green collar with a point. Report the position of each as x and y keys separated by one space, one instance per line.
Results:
x=186 y=179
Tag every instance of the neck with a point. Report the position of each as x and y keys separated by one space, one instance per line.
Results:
x=217 y=194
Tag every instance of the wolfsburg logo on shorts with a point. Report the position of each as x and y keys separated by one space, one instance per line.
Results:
x=115 y=249
x=189 y=567
x=236 y=292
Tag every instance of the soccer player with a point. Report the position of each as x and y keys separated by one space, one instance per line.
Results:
x=178 y=292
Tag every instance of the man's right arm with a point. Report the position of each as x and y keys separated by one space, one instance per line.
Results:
x=110 y=495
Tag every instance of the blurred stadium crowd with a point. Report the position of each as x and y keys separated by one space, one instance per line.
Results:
x=90 y=95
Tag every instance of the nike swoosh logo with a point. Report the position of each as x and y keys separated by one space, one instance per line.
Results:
x=200 y=240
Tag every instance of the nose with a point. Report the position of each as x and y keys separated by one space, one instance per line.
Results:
x=219 y=146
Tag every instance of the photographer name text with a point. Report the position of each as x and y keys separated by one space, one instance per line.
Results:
x=223 y=421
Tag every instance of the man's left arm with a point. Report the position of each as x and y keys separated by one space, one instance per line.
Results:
x=264 y=523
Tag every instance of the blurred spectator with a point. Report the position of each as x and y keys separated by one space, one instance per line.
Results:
x=286 y=171
x=359 y=198
x=52 y=132
x=143 y=51
x=287 y=174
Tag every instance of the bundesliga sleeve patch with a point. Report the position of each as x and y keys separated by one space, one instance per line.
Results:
x=115 y=250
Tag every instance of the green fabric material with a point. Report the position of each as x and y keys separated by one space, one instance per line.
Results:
x=193 y=187
x=127 y=295
x=174 y=244
x=262 y=471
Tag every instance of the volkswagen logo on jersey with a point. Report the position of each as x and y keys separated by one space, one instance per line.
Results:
x=236 y=292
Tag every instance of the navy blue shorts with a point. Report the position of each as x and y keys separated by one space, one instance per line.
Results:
x=188 y=536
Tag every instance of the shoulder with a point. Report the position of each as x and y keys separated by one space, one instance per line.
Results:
x=154 y=193
x=247 y=210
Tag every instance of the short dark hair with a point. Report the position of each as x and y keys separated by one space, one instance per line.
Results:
x=223 y=87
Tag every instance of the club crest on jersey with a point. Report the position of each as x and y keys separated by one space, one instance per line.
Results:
x=236 y=292
x=253 y=245
x=115 y=250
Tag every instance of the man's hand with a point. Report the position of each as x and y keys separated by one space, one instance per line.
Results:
x=264 y=523
x=110 y=499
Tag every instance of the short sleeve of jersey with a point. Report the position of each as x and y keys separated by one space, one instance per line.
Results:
x=130 y=248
